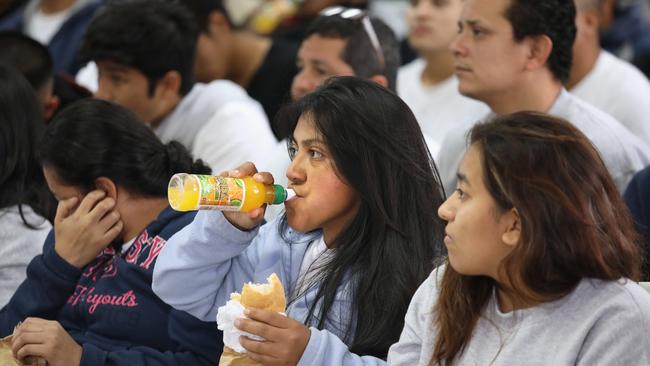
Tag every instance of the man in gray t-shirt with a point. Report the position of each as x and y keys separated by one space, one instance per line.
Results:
x=512 y=57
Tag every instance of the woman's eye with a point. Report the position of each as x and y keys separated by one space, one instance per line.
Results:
x=315 y=154
x=461 y=194
x=292 y=152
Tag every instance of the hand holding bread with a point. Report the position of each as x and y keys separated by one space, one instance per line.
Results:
x=275 y=339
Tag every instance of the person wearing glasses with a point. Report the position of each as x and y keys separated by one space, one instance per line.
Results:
x=341 y=42
x=346 y=42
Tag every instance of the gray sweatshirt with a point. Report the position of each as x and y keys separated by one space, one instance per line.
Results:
x=19 y=244
x=599 y=323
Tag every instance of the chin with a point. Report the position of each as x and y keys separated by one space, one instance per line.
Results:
x=467 y=91
x=297 y=224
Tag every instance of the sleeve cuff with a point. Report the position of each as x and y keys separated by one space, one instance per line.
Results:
x=59 y=266
x=310 y=355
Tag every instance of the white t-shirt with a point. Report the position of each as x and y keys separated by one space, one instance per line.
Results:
x=219 y=123
x=438 y=108
x=621 y=90
x=598 y=323
x=42 y=27
x=316 y=255
x=623 y=153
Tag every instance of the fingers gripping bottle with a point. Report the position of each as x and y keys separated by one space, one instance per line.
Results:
x=189 y=192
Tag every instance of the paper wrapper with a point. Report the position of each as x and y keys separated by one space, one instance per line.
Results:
x=7 y=357
x=232 y=358
x=226 y=316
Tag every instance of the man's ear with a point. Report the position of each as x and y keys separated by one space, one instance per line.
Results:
x=169 y=86
x=606 y=14
x=217 y=24
x=379 y=79
x=107 y=185
x=539 y=50
x=50 y=106
x=512 y=224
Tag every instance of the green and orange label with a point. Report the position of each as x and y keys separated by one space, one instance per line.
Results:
x=221 y=193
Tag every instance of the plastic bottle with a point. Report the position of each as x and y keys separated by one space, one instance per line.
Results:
x=189 y=192
x=272 y=13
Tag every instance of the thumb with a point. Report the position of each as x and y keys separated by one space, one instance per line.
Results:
x=65 y=209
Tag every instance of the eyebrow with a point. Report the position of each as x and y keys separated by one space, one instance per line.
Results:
x=309 y=142
x=462 y=178
x=116 y=68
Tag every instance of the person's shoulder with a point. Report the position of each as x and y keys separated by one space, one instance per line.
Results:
x=429 y=290
x=578 y=112
x=410 y=72
x=618 y=299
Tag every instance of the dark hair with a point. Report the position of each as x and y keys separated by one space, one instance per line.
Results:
x=21 y=127
x=553 y=18
x=359 y=52
x=389 y=247
x=201 y=9
x=28 y=56
x=152 y=36
x=574 y=222
x=94 y=138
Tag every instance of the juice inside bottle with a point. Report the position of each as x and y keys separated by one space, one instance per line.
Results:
x=187 y=192
x=183 y=193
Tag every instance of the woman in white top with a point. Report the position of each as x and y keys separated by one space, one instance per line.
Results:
x=542 y=256
x=25 y=201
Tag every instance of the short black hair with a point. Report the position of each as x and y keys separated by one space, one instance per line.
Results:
x=28 y=56
x=94 y=138
x=152 y=36
x=201 y=9
x=553 y=18
x=359 y=52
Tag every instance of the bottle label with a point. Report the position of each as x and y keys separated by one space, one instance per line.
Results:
x=220 y=193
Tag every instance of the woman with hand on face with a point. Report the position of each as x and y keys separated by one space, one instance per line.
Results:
x=25 y=202
x=352 y=247
x=87 y=299
x=542 y=258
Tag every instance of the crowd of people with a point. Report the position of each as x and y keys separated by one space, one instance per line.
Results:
x=486 y=203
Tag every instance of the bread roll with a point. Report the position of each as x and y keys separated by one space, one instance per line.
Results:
x=7 y=357
x=267 y=296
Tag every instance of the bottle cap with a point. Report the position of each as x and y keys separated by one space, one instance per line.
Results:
x=280 y=194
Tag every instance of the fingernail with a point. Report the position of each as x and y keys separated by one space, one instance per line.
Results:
x=234 y=172
x=237 y=323
x=247 y=312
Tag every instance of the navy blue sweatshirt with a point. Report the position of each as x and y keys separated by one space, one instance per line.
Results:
x=109 y=308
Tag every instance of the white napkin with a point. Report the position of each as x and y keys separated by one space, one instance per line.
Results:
x=226 y=316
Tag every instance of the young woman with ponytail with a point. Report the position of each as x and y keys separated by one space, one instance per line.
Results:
x=542 y=258
x=87 y=299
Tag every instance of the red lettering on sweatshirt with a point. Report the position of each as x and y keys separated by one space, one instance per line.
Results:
x=157 y=244
x=84 y=295
x=136 y=248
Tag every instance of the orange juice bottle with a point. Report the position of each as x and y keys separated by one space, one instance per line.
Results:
x=189 y=192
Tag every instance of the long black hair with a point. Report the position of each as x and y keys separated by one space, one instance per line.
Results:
x=94 y=138
x=389 y=247
x=21 y=127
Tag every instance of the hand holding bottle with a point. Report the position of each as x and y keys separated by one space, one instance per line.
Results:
x=241 y=190
x=251 y=219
